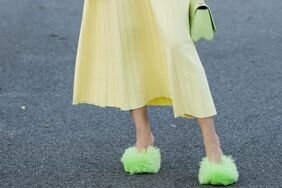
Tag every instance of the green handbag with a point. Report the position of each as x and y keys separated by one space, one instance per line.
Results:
x=201 y=21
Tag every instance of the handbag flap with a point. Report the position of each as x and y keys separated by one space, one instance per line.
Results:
x=196 y=5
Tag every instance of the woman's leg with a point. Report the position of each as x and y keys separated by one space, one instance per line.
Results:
x=210 y=138
x=144 y=136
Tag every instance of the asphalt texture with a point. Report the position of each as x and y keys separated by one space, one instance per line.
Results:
x=45 y=141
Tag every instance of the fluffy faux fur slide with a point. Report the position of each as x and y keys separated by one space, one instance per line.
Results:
x=223 y=173
x=149 y=161
x=145 y=161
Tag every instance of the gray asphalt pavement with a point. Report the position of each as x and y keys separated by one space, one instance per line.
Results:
x=45 y=141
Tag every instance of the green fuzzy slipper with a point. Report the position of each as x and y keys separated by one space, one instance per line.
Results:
x=146 y=161
x=223 y=173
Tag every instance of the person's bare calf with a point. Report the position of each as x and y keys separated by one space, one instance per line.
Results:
x=210 y=138
x=144 y=136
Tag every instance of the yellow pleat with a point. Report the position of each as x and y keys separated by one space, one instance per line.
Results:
x=135 y=53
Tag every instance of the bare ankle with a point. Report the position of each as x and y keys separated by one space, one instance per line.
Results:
x=144 y=140
x=214 y=152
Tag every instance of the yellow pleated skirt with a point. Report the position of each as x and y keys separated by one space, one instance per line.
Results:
x=133 y=53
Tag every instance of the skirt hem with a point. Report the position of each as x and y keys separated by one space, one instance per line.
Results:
x=166 y=101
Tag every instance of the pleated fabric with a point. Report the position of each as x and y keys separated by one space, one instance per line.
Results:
x=133 y=53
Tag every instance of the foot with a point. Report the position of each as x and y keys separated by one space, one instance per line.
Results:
x=214 y=153
x=144 y=139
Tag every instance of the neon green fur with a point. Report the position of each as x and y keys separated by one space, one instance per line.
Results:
x=223 y=173
x=146 y=161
